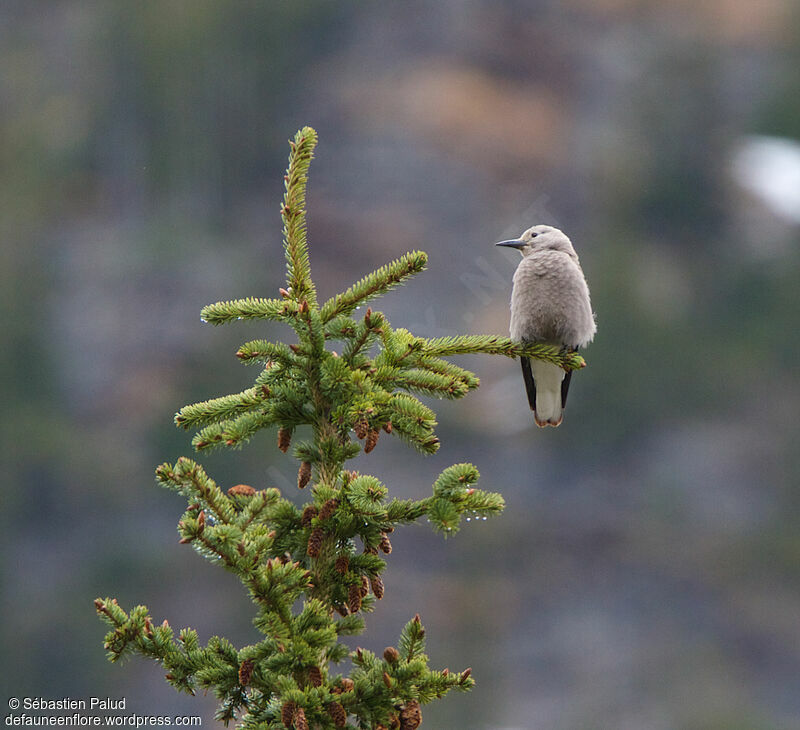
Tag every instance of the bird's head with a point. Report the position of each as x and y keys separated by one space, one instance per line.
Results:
x=540 y=238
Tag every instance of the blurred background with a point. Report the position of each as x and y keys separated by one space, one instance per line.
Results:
x=646 y=573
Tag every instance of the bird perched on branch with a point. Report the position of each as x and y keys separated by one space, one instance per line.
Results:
x=549 y=303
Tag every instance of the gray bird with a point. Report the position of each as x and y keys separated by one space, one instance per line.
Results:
x=549 y=303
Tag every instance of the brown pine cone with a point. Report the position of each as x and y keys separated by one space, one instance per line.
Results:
x=315 y=542
x=315 y=676
x=303 y=474
x=300 y=722
x=338 y=714
x=287 y=713
x=347 y=684
x=328 y=509
x=284 y=439
x=410 y=716
x=372 y=440
x=309 y=513
x=246 y=672
x=377 y=586
x=354 y=598
x=390 y=654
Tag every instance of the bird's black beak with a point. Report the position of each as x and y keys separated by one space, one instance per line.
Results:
x=515 y=243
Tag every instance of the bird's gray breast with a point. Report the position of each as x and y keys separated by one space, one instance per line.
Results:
x=550 y=300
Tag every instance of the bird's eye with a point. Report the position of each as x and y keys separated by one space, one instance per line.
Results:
x=533 y=235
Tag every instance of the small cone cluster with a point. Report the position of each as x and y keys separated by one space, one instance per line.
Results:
x=371 y=440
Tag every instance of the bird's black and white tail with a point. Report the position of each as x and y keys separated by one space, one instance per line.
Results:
x=548 y=399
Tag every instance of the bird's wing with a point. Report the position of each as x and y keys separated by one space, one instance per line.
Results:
x=530 y=385
x=565 y=386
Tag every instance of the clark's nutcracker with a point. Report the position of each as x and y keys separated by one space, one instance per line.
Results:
x=549 y=303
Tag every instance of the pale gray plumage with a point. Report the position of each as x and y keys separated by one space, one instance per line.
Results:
x=549 y=303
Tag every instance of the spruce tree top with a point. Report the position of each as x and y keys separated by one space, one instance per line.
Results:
x=345 y=381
